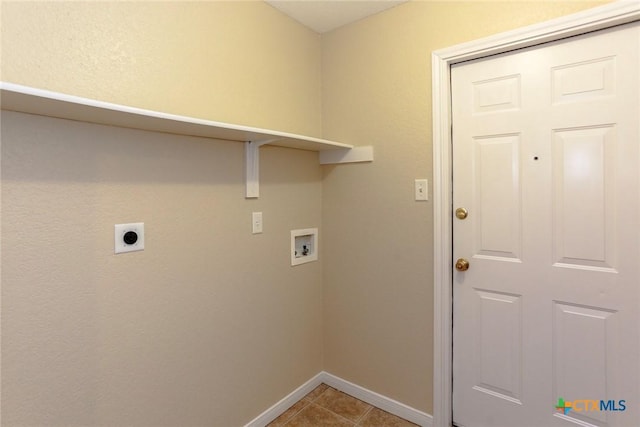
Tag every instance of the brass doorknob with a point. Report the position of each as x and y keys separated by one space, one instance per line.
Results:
x=461 y=213
x=462 y=264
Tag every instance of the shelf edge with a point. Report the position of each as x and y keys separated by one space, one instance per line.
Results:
x=25 y=99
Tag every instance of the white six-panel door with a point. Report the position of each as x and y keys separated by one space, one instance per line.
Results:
x=546 y=161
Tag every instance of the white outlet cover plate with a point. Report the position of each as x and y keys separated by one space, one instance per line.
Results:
x=121 y=229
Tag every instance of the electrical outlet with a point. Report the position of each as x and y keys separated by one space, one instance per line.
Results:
x=129 y=237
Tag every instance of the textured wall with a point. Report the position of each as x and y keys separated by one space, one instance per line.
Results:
x=233 y=61
x=215 y=327
x=378 y=276
x=209 y=325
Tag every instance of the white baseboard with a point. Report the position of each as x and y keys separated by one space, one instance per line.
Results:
x=286 y=402
x=392 y=406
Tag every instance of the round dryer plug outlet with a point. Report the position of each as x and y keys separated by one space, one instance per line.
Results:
x=129 y=237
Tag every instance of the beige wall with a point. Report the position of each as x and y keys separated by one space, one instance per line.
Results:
x=378 y=268
x=209 y=325
x=233 y=61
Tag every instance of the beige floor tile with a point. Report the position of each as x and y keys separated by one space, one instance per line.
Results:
x=342 y=404
x=314 y=415
x=377 y=417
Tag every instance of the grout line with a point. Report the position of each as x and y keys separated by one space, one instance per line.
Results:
x=353 y=422
x=296 y=414
x=318 y=396
x=338 y=415
x=363 y=416
x=309 y=402
x=323 y=408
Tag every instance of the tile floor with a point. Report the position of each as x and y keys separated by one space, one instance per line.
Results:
x=326 y=406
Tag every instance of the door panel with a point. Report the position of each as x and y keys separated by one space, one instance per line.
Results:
x=499 y=345
x=497 y=192
x=576 y=372
x=497 y=94
x=584 y=175
x=546 y=161
x=583 y=81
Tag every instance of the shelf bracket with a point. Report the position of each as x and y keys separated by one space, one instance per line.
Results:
x=252 y=167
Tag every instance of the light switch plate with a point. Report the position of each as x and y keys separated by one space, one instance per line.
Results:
x=256 y=221
x=422 y=189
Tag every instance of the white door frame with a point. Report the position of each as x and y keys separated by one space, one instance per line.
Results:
x=590 y=20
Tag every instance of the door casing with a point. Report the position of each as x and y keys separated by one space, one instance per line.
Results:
x=590 y=20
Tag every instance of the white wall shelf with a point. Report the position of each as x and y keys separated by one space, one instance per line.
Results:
x=30 y=100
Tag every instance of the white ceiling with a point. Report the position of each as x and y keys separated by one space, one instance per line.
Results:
x=326 y=15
